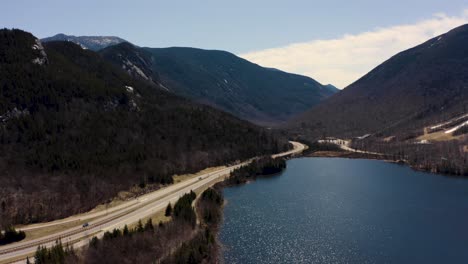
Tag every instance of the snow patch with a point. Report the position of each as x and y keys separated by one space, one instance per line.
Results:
x=42 y=59
x=364 y=136
x=129 y=89
x=423 y=142
x=448 y=122
x=15 y=113
x=129 y=66
x=82 y=46
x=456 y=127
x=164 y=87
x=435 y=42
x=104 y=40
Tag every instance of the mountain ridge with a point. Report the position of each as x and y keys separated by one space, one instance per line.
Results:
x=94 y=43
x=230 y=83
x=412 y=108
x=409 y=91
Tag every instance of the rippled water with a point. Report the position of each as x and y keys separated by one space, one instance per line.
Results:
x=324 y=210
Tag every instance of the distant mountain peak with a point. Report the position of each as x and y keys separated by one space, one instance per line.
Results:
x=88 y=42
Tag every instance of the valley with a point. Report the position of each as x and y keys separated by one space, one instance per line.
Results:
x=412 y=107
x=151 y=133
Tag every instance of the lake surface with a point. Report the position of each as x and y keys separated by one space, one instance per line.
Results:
x=329 y=210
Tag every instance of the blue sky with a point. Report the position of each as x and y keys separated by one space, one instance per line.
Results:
x=240 y=26
x=237 y=26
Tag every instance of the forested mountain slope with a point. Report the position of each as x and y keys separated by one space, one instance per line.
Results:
x=223 y=80
x=413 y=107
x=75 y=130
x=418 y=87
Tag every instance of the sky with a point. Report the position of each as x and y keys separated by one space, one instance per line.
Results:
x=331 y=41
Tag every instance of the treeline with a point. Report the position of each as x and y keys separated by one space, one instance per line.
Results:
x=145 y=243
x=177 y=241
x=72 y=136
x=183 y=210
x=324 y=146
x=56 y=254
x=210 y=205
x=258 y=167
x=448 y=157
x=203 y=247
x=10 y=235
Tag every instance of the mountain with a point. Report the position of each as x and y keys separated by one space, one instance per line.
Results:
x=88 y=42
x=412 y=108
x=419 y=87
x=75 y=130
x=222 y=80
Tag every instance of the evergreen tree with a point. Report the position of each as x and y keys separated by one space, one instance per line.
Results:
x=11 y=235
x=56 y=253
x=125 y=231
x=94 y=242
x=149 y=224
x=116 y=233
x=139 y=227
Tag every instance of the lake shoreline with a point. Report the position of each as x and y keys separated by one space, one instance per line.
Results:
x=366 y=156
x=221 y=248
x=220 y=186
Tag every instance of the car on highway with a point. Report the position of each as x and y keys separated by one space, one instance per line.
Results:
x=86 y=224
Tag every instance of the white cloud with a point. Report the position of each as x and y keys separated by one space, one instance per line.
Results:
x=343 y=60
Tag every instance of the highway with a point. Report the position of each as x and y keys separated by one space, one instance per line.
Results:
x=117 y=217
x=345 y=145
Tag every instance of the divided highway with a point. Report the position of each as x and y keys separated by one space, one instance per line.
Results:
x=124 y=214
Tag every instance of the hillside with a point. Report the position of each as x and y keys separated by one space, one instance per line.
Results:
x=403 y=100
x=223 y=80
x=418 y=87
x=88 y=42
x=75 y=128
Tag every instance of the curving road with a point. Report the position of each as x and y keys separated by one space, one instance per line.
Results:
x=345 y=145
x=116 y=217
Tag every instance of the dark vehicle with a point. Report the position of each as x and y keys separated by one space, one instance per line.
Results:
x=85 y=224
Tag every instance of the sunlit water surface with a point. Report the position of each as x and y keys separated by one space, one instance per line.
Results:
x=328 y=210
